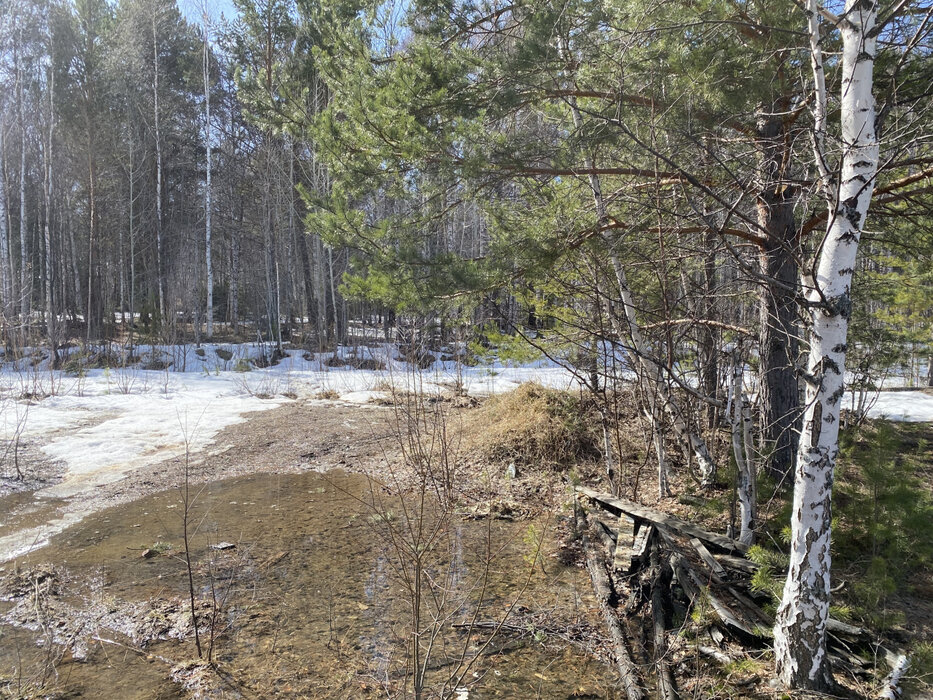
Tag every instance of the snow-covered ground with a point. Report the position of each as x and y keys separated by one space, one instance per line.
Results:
x=108 y=422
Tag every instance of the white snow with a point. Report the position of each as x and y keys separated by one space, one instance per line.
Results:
x=909 y=406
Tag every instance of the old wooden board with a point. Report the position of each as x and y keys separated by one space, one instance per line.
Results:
x=622 y=559
x=707 y=558
x=662 y=519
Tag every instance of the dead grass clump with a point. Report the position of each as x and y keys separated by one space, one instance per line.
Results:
x=537 y=427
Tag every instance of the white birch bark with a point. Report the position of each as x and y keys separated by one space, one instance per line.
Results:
x=741 y=419
x=158 y=147
x=24 y=277
x=207 y=185
x=800 y=626
x=132 y=236
x=6 y=274
x=47 y=229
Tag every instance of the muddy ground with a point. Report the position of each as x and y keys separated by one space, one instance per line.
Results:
x=298 y=436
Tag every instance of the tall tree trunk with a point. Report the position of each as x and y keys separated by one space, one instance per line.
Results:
x=50 y=318
x=25 y=278
x=158 y=146
x=132 y=235
x=92 y=227
x=708 y=349
x=800 y=626
x=778 y=346
x=77 y=296
x=6 y=274
x=207 y=186
x=235 y=269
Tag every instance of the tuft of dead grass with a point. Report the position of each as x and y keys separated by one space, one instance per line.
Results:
x=535 y=426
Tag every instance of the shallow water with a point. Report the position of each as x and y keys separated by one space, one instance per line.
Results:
x=316 y=597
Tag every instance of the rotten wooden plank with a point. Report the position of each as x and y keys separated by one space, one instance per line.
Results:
x=663 y=520
x=642 y=538
x=625 y=538
x=696 y=588
x=740 y=563
x=708 y=559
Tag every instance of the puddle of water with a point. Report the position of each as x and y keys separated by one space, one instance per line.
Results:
x=315 y=600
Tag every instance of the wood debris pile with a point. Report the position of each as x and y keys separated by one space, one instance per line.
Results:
x=638 y=556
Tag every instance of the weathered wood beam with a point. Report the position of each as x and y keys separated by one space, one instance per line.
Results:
x=663 y=520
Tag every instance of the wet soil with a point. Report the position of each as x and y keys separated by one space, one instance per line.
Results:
x=302 y=588
x=297 y=436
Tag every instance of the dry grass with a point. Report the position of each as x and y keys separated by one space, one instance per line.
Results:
x=535 y=427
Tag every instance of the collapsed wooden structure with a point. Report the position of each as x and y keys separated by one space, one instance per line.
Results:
x=652 y=558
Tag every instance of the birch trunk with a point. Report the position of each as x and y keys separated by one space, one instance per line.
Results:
x=207 y=186
x=158 y=148
x=800 y=625
x=6 y=274
x=746 y=486
x=50 y=321
x=24 y=277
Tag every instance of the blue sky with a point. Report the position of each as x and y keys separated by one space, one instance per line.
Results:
x=191 y=9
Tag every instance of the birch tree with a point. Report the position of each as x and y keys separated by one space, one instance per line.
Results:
x=206 y=72
x=800 y=627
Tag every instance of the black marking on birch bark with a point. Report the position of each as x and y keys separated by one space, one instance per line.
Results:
x=840 y=348
x=863 y=164
x=829 y=365
x=816 y=424
x=835 y=396
x=845 y=271
x=839 y=305
x=829 y=418
x=864 y=56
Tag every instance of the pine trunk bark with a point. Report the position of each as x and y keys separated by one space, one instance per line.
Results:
x=800 y=627
x=778 y=346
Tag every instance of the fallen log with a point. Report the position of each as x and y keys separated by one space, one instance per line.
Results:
x=660 y=590
x=660 y=519
x=604 y=595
